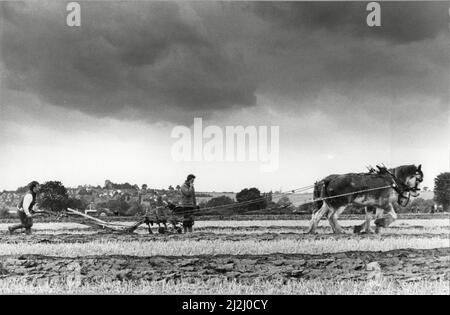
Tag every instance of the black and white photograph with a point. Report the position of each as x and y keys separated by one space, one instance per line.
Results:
x=216 y=150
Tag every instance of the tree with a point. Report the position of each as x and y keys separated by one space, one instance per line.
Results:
x=268 y=196
x=144 y=186
x=306 y=208
x=83 y=191
x=442 y=190
x=421 y=205
x=219 y=201
x=171 y=188
x=108 y=184
x=22 y=190
x=78 y=204
x=284 y=202
x=118 y=207
x=135 y=208
x=53 y=196
x=249 y=195
x=125 y=186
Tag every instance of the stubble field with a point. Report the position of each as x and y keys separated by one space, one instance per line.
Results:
x=229 y=257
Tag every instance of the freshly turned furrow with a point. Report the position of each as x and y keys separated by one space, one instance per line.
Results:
x=267 y=252
x=198 y=236
x=400 y=264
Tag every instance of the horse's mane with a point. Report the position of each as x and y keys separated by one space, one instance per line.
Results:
x=403 y=171
x=381 y=170
x=400 y=172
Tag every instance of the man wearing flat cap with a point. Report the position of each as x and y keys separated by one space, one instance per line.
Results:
x=188 y=202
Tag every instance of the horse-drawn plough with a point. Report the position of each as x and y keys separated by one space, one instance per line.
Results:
x=376 y=189
x=166 y=220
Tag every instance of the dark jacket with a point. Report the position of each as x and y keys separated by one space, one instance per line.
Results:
x=188 y=195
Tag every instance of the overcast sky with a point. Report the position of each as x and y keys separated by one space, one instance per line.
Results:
x=85 y=104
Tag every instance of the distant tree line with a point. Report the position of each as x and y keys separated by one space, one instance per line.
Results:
x=248 y=201
x=442 y=190
x=53 y=196
x=121 y=186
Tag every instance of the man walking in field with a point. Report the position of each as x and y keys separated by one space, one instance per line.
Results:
x=188 y=202
x=25 y=209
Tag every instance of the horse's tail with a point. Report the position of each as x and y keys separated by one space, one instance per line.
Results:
x=319 y=189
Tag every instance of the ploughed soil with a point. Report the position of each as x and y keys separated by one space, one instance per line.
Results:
x=86 y=236
x=292 y=216
x=402 y=265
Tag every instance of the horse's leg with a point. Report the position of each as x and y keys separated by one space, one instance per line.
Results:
x=385 y=218
x=316 y=218
x=149 y=229
x=378 y=220
x=333 y=219
x=365 y=225
x=369 y=217
x=391 y=216
x=330 y=215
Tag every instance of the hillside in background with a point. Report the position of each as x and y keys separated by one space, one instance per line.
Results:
x=296 y=198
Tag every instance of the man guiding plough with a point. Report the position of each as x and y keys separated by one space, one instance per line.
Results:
x=165 y=211
x=25 y=209
x=377 y=191
x=188 y=203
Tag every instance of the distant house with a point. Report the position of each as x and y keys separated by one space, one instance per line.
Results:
x=90 y=209
x=9 y=199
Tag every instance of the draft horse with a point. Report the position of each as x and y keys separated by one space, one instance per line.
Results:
x=335 y=192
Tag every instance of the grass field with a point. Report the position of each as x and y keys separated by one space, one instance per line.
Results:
x=15 y=286
x=220 y=247
x=432 y=223
x=229 y=257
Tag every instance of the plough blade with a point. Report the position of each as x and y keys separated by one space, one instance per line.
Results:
x=97 y=222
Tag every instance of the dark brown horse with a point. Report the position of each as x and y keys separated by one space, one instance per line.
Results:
x=374 y=190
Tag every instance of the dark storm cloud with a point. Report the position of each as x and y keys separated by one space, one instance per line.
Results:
x=401 y=22
x=145 y=56
x=167 y=61
x=328 y=46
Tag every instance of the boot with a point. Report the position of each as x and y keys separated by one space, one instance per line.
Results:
x=357 y=229
x=384 y=222
x=11 y=229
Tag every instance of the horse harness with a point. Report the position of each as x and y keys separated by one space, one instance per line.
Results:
x=400 y=188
